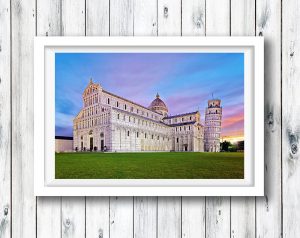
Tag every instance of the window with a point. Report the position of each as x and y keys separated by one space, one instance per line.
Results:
x=137 y=135
x=189 y=128
x=125 y=106
x=117 y=104
x=128 y=133
x=108 y=101
x=145 y=135
x=152 y=137
x=118 y=116
x=182 y=119
x=137 y=110
x=180 y=128
x=177 y=140
x=158 y=138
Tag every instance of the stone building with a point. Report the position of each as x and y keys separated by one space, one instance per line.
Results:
x=212 y=128
x=108 y=122
x=63 y=144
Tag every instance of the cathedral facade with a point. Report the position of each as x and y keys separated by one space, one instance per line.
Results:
x=108 y=122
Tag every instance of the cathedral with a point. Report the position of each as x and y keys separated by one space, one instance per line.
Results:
x=108 y=122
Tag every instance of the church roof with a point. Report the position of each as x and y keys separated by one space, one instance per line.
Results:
x=181 y=115
x=183 y=123
x=157 y=102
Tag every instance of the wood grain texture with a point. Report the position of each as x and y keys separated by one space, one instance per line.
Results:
x=169 y=217
x=97 y=208
x=145 y=208
x=218 y=18
x=48 y=222
x=242 y=208
x=193 y=217
x=73 y=209
x=121 y=17
x=145 y=18
x=5 y=120
x=21 y=216
x=97 y=217
x=193 y=17
x=169 y=208
x=217 y=217
x=290 y=117
x=169 y=17
x=23 y=201
x=121 y=217
x=193 y=208
x=48 y=23
x=218 y=208
x=268 y=208
x=73 y=217
x=97 y=18
x=145 y=217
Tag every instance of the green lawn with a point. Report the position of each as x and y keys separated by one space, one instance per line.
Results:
x=165 y=165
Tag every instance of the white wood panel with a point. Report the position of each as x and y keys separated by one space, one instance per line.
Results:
x=169 y=208
x=218 y=17
x=290 y=117
x=97 y=17
x=73 y=17
x=73 y=217
x=97 y=217
x=268 y=208
x=145 y=217
x=193 y=217
x=121 y=217
x=169 y=17
x=193 y=17
x=217 y=217
x=193 y=208
x=121 y=17
x=73 y=209
x=242 y=208
x=23 y=200
x=145 y=208
x=48 y=223
x=5 y=120
x=169 y=217
x=121 y=208
x=218 y=208
x=48 y=23
x=97 y=208
x=145 y=17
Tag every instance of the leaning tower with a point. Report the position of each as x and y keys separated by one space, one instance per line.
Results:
x=212 y=129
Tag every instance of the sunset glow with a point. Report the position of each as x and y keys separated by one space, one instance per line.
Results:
x=185 y=81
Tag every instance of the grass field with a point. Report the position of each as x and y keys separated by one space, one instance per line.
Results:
x=167 y=165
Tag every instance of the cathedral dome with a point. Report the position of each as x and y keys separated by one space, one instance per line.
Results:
x=159 y=106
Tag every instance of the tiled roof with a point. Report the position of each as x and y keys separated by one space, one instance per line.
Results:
x=180 y=115
x=114 y=95
x=183 y=123
x=133 y=114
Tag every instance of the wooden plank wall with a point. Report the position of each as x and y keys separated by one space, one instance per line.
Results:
x=274 y=215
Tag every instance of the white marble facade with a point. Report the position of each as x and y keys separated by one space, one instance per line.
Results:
x=108 y=122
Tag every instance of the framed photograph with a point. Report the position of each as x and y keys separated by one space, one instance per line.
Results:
x=149 y=116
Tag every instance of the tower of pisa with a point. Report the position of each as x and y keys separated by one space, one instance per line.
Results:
x=212 y=128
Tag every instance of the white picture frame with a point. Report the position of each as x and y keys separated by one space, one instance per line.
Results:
x=45 y=183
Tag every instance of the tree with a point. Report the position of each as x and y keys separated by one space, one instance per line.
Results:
x=225 y=145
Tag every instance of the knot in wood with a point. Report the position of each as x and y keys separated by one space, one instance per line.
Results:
x=166 y=12
x=68 y=222
x=100 y=233
x=294 y=148
x=5 y=210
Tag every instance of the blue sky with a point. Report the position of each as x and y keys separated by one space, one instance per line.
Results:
x=185 y=81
